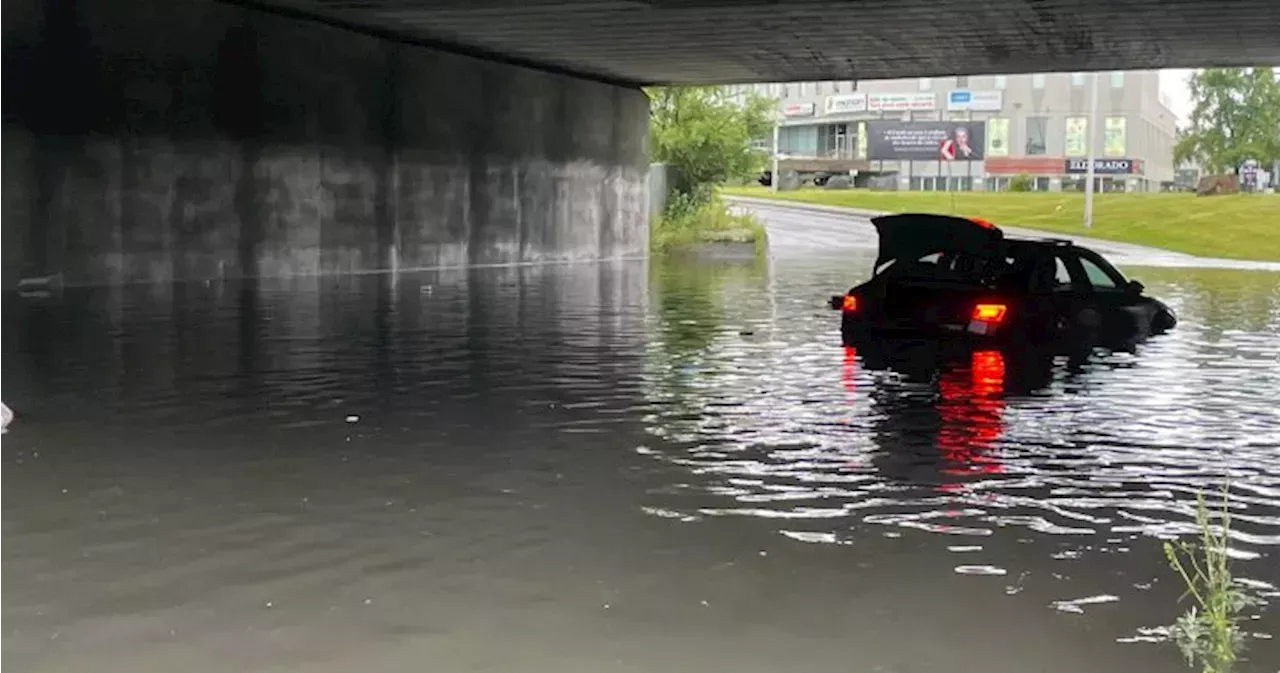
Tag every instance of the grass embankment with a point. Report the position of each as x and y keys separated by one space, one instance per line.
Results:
x=1241 y=226
x=686 y=224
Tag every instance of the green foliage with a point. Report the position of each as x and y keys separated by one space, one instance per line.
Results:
x=1236 y=117
x=707 y=135
x=690 y=219
x=1020 y=183
x=1209 y=632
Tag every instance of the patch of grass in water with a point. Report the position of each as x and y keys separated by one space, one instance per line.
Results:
x=691 y=220
x=1209 y=633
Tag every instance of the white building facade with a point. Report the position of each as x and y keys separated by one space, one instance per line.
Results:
x=891 y=131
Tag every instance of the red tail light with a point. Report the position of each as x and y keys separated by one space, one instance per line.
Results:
x=990 y=312
x=850 y=304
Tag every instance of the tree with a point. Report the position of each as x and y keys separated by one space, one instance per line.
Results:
x=706 y=135
x=1236 y=117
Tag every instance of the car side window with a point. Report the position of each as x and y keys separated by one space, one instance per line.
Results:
x=1098 y=278
x=1061 y=276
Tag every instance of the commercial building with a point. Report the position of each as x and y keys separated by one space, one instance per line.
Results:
x=891 y=131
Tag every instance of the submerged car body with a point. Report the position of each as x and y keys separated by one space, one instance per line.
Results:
x=961 y=280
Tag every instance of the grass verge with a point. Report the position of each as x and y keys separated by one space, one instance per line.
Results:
x=688 y=222
x=1240 y=226
x=1209 y=633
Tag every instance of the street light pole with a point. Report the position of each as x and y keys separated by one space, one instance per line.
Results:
x=773 y=181
x=1090 y=131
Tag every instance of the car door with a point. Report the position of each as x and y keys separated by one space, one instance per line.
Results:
x=1108 y=290
x=1055 y=298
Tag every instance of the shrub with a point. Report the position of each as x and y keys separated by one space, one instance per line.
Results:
x=693 y=218
x=1020 y=183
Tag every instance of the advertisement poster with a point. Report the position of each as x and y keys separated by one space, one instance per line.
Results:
x=919 y=141
x=861 y=141
x=998 y=137
x=1113 y=137
x=1077 y=128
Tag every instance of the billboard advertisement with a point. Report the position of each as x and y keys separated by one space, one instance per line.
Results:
x=919 y=141
x=1113 y=137
x=998 y=137
x=977 y=101
x=1077 y=129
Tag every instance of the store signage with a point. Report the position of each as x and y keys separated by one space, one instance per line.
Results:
x=899 y=102
x=798 y=110
x=1101 y=166
x=846 y=104
x=976 y=101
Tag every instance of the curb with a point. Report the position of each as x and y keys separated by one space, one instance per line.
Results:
x=800 y=205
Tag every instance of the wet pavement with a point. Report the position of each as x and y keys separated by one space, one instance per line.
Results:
x=617 y=467
x=794 y=226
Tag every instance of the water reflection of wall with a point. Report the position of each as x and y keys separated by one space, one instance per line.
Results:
x=298 y=350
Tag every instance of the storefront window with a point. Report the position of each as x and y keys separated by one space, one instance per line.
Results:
x=1037 y=133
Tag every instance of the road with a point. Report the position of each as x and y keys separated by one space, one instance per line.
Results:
x=804 y=227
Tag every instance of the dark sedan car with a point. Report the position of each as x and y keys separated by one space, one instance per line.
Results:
x=962 y=281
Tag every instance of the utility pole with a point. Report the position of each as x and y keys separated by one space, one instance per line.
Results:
x=775 y=178
x=1090 y=131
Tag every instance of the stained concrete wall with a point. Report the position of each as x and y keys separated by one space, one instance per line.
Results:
x=149 y=140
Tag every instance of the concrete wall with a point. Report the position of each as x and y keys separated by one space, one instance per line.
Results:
x=149 y=140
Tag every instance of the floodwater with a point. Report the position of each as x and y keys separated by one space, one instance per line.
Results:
x=617 y=467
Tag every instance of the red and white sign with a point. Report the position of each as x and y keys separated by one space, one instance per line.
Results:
x=798 y=110
x=947 y=150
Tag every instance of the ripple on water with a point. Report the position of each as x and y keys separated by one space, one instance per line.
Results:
x=787 y=425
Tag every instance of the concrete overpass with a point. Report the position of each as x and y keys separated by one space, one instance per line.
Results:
x=152 y=140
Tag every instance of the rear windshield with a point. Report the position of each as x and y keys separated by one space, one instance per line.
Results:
x=1021 y=267
x=940 y=266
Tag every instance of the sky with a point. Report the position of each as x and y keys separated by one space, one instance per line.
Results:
x=1173 y=83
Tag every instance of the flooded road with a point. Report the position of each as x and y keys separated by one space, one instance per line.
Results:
x=626 y=467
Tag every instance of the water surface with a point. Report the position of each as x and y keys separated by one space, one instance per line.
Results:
x=611 y=468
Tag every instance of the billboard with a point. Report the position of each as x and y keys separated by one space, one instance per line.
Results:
x=1113 y=139
x=977 y=101
x=919 y=141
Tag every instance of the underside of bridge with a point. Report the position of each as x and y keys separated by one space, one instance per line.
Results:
x=731 y=41
x=154 y=140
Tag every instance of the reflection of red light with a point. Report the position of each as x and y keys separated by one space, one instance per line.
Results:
x=971 y=409
x=849 y=368
x=982 y=223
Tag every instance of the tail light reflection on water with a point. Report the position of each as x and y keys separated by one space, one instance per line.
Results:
x=849 y=368
x=971 y=406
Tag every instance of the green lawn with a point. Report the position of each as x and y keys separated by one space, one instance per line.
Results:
x=1241 y=226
